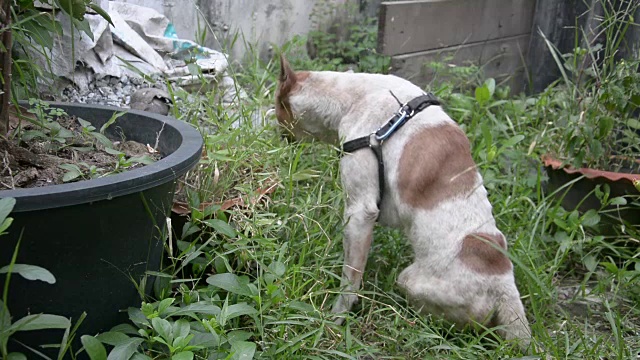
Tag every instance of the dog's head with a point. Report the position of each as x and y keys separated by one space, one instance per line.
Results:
x=301 y=104
x=288 y=84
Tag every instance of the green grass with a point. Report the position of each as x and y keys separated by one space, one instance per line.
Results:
x=273 y=272
x=258 y=279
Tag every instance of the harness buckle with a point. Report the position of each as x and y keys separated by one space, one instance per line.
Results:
x=400 y=117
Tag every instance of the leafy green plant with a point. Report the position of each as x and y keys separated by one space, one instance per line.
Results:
x=74 y=171
x=125 y=162
x=98 y=136
x=47 y=127
x=600 y=130
x=84 y=171
x=177 y=331
x=592 y=112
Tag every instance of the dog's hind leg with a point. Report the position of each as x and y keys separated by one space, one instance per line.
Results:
x=358 y=236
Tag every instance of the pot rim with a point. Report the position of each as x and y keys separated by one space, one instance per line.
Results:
x=176 y=164
x=550 y=161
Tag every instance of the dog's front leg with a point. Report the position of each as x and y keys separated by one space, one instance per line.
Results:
x=357 y=241
x=360 y=183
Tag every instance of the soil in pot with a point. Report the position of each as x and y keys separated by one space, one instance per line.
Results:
x=74 y=150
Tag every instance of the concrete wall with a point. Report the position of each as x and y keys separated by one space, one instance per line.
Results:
x=261 y=22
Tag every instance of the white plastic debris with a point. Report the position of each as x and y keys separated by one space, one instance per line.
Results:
x=142 y=42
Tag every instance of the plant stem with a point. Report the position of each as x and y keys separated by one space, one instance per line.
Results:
x=5 y=64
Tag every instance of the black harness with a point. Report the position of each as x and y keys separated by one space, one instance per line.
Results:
x=374 y=140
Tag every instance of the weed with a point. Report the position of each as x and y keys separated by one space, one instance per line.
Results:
x=261 y=249
x=594 y=108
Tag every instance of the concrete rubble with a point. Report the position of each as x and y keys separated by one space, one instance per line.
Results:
x=141 y=51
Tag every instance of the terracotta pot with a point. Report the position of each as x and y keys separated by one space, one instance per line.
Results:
x=581 y=194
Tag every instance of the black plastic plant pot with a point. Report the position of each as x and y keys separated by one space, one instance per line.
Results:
x=97 y=237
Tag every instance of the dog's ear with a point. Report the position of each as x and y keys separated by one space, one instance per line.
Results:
x=287 y=75
x=286 y=82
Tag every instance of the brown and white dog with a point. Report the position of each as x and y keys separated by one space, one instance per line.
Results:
x=433 y=192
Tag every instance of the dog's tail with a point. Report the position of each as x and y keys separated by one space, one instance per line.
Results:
x=512 y=321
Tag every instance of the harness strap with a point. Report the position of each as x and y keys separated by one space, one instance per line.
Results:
x=357 y=144
x=406 y=112
x=422 y=102
x=377 y=150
